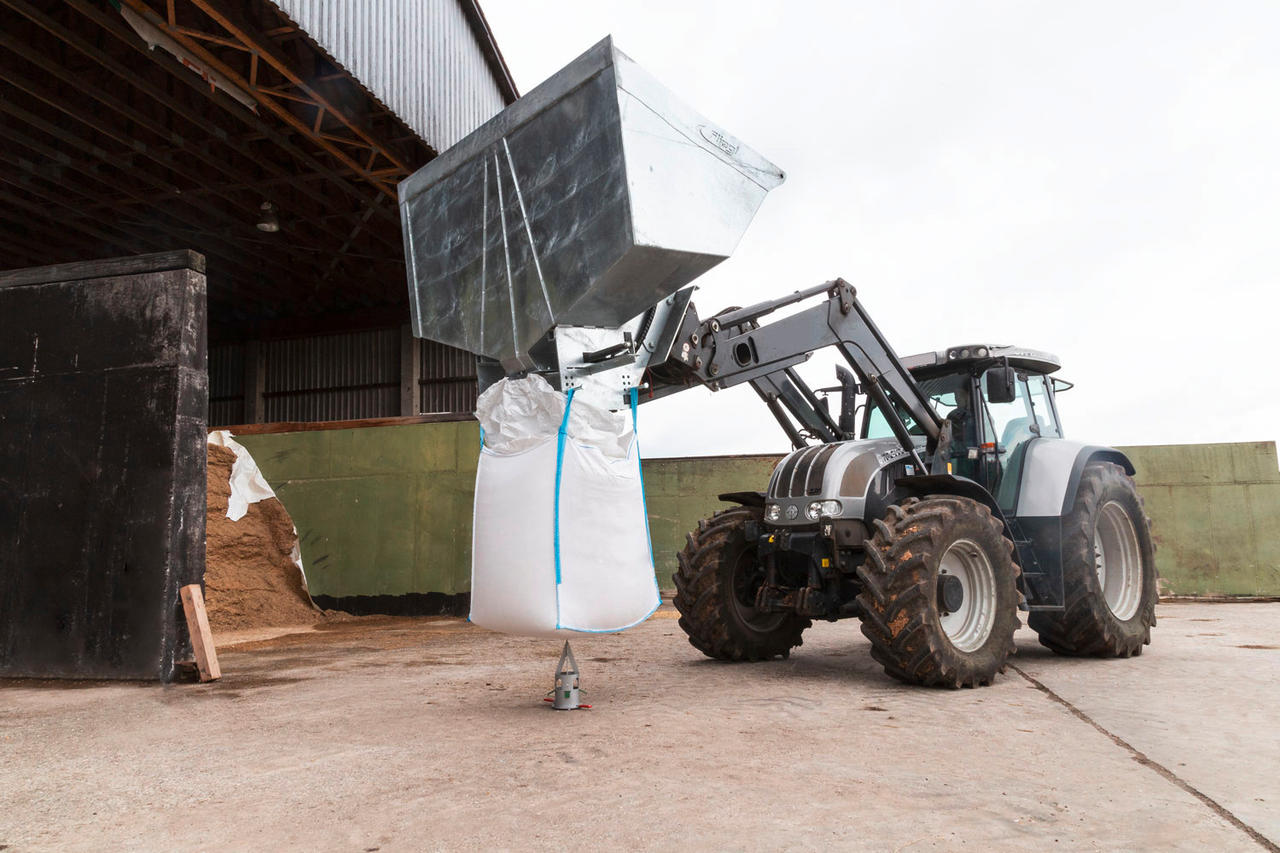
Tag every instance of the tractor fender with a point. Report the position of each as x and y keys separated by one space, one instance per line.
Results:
x=755 y=499
x=949 y=484
x=1051 y=474
x=925 y=485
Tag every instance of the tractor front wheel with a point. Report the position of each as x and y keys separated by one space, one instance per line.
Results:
x=716 y=584
x=939 y=598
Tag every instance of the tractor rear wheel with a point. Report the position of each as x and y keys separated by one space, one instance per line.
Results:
x=1108 y=571
x=939 y=598
x=716 y=585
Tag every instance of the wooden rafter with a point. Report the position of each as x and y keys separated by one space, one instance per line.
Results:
x=259 y=50
x=262 y=130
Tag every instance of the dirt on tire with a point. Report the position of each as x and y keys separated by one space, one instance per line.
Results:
x=710 y=594
x=898 y=601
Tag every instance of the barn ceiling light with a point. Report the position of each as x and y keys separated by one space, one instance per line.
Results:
x=267 y=219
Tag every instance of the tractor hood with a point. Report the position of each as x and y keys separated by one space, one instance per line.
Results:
x=842 y=471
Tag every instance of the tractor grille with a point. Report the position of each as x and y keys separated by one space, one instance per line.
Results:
x=801 y=475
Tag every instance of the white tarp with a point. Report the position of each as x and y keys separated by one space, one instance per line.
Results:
x=248 y=486
x=560 y=535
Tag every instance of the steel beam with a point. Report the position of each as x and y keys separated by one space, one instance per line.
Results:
x=115 y=26
x=214 y=213
x=39 y=218
x=178 y=108
x=58 y=71
x=260 y=51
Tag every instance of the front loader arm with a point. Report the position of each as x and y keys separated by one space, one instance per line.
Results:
x=732 y=347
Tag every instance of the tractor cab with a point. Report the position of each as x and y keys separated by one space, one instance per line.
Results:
x=997 y=398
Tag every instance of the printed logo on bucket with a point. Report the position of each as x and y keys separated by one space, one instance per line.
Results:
x=719 y=140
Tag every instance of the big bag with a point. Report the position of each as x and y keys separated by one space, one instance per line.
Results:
x=560 y=536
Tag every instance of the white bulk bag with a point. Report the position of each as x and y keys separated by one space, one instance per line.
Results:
x=560 y=537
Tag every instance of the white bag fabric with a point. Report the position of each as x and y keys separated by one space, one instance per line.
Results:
x=560 y=540
x=248 y=486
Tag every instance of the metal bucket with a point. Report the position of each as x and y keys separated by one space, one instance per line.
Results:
x=584 y=203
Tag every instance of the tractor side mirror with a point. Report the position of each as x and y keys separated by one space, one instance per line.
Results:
x=1001 y=385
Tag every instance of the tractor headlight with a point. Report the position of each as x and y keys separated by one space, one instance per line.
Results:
x=832 y=508
x=814 y=510
x=772 y=512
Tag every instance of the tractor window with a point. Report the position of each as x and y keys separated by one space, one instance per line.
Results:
x=877 y=426
x=941 y=391
x=1009 y=424
x=1043 y=406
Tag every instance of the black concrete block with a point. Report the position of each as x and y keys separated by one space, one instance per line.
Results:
x=103 y=402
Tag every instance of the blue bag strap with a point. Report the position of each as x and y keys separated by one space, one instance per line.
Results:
x=644 y=504
x=560 y=439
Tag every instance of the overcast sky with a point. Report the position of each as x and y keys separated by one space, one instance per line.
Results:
x=1099 y=180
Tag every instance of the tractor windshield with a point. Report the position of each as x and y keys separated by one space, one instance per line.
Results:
x=941 y=391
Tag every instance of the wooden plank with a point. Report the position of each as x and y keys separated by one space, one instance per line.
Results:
x=183 y=259
x=201 y=636
x=313 y=426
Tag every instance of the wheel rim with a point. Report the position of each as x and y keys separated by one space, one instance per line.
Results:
x=969 y=626
x=1118 y=560
x=747 y=578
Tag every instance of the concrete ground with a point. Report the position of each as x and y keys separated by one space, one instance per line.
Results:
x=400 y=734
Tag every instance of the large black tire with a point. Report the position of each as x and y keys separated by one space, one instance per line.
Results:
x=716 y=587
x=900 y=609
x=1088 y=626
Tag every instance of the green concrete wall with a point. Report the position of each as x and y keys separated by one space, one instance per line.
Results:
x=1215 y=516
x=387 y=510
x=380 y=510
x=679 y=492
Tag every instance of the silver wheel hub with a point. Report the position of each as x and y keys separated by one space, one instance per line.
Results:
x=969 y=625
x=1117 y=560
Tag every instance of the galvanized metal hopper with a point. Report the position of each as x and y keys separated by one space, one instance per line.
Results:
x=591 y=198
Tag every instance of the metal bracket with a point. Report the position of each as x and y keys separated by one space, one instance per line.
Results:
x=601 y=366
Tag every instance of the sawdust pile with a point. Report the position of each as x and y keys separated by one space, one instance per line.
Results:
x=250 y=578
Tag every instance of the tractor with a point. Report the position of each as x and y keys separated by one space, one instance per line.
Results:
x=941 y=500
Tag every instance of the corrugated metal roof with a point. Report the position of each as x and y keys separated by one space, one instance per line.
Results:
x=431 y=62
